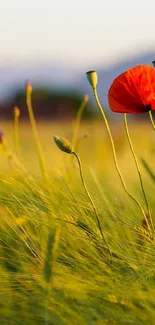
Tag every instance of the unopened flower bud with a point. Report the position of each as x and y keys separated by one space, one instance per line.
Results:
x=92 y=78
x=63 y=144
x=153 y=62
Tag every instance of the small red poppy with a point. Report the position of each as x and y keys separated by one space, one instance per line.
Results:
x=133 y=91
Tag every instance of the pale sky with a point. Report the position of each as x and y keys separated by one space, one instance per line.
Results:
x=77 y=32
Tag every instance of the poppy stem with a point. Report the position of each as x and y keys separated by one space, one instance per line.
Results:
x=90 y=199
x=114 y=152
x=35 y=132
x=151 y=119
x=148 y=214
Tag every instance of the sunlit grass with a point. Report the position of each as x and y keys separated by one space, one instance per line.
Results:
x=87 y=287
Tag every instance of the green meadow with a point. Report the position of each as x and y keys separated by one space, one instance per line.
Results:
x=56 y=268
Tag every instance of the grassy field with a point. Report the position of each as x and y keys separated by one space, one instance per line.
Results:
x=55 y=266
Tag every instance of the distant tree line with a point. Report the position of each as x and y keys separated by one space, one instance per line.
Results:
x=54 y=104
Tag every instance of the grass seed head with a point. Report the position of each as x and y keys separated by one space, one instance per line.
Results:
x=92 y=78
x=28 y=87
x=63 y=144
x=86 y=98
x=51 y=253
x=16 y=111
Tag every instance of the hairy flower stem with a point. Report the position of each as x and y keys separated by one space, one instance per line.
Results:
x=35 y=133
x=114 y=153
x=90 y=199
x=151 y=119
x=148 y=214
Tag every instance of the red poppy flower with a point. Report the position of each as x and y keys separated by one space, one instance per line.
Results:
x=133 y=91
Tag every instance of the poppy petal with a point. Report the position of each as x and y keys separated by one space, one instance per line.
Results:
x=133 y=91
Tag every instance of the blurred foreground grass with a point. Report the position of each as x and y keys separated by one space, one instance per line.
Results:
x=86 y=286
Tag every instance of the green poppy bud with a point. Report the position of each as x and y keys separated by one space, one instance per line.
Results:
x=92 y=78
x=63 y=144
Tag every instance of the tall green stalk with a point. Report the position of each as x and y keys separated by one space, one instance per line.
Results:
x=114 y=154
x=91 y=200
x=149 y=217
x=35 y=131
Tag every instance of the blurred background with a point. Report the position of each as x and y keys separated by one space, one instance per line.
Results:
x=54 y=43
